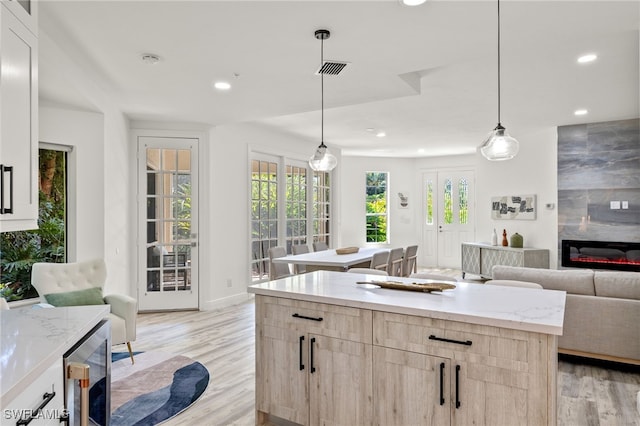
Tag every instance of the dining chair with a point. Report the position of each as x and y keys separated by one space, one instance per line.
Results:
x=81 y=283
x=368 y=271
x=410 y=261
x=394 y=265
x=380 y=260
x=278 y=270
x=299 y=249
x=430 y=276
x=320 y=246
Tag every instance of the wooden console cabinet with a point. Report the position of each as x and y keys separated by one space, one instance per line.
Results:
x=479 y=258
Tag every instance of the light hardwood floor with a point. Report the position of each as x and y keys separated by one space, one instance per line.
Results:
x=223 y=340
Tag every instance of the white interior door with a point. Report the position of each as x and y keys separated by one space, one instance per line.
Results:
x=168 y=223
x=448 y=200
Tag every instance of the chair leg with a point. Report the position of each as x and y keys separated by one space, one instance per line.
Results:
x=130 y=352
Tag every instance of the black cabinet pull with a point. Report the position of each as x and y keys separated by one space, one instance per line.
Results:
x=301 y=343
x=442 y=383
x=313 y=340
x=457 y=386
x=307 y=318
x=3 y=170
x=459 y=342
x=34 y=414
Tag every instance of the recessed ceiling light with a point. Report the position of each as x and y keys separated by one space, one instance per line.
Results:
x=150 y=58
x=422 y=151
x=580 y=112
x=412 y=2
x=222 y=85
x=587 y=58
x=381 y=134
x=369 y=129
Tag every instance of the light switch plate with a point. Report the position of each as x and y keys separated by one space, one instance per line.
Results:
x=614 y=205
x=625 y=205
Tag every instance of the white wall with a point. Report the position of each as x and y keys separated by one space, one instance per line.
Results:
x=105 y=165
x=532 y=171
x=403 y=224
x=84 y=131
x=228 y=204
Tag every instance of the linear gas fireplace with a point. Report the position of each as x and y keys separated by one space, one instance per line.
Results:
x=601 y=255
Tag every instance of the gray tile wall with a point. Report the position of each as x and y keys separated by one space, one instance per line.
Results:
x=599 y=163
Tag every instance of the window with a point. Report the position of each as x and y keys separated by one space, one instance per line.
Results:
x=321 y=207
x=377 y=212
x=296 y=199
x=429 y=198
x=21 y=249
x=264 y=215
x=290 y=205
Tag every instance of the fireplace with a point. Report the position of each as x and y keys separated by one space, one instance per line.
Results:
x=601 y=255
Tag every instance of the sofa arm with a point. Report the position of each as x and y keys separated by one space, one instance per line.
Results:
x=125 y=307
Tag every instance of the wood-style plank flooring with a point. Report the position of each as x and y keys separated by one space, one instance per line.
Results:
x=223 y=340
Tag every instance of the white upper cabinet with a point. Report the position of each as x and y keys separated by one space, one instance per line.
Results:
x=18 y=121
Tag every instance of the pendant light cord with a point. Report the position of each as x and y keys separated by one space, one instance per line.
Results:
x=498 y=61
x=321 y=91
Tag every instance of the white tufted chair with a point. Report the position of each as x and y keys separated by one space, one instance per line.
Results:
x=48 y=278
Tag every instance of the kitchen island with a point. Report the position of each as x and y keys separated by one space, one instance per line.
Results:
x=331 y=351
x=33 y=342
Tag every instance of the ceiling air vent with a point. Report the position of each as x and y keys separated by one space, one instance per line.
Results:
x=331 y=67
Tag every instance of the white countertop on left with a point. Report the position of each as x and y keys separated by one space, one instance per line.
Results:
x=31 y=340
x=526 y=309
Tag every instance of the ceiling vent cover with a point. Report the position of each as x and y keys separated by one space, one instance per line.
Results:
x=331 y=67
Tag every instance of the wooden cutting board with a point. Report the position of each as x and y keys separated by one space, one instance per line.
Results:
x=422 y=287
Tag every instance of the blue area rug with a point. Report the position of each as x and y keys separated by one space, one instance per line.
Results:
x=154 y=389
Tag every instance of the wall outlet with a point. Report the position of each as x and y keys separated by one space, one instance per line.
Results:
x=614 y=205
x=229 y=282
x=625 y=205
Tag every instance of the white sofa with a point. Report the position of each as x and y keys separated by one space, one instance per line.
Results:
x=602 y=313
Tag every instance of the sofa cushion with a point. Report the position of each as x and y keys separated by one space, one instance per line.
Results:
x=623 y=285
x=571 y=281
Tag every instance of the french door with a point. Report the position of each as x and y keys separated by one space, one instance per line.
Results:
x=448 y=216
x=168 y=223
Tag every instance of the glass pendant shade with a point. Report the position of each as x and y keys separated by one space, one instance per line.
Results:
x=322 y=160
x=499 y=145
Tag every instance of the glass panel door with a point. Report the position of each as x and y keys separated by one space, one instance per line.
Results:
x=169 y=230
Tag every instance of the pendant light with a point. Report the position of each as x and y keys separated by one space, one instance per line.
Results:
x=499 y=145
x=322 y=160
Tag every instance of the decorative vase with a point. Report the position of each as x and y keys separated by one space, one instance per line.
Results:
x=504 y=238
x=516 y=240
x=494 y=238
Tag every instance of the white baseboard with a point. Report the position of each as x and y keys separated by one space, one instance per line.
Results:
x=211 y=305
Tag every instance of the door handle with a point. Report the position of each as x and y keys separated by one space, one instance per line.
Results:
x=301 y=343
x=80 y=372
x=442 y=383
x=457 y=386
x=4 y=169
x=312 y=368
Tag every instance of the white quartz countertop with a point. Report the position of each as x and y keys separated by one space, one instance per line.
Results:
x=34 y=339
x=525 y=309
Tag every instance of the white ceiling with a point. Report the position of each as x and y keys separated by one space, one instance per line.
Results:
x=425 y=75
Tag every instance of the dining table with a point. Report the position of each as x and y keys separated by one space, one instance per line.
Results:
x=330 y=260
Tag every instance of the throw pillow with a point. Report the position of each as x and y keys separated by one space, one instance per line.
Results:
x=89 y=296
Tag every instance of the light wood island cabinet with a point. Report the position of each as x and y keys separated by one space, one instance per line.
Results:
x=315 y=363
x=331 y=352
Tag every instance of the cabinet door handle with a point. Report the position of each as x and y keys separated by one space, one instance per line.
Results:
x=457 y=386
x=47 y=397
x=459 y=342
x=4 y=169
x=442 y=383
x=301 y=343
x=307 y=318
x=312 y=368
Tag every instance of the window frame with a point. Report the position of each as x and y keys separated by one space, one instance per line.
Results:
x=384 y=214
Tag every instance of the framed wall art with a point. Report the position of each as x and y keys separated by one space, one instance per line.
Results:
x=514 y=207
